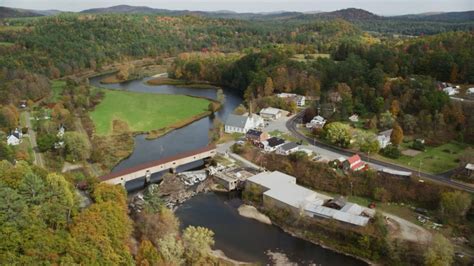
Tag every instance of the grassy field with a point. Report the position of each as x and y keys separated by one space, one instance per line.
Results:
x=57 y=88
x=6 y=43
x=11 y=28
x=435 y=159
x=143 y=112
x=311 y=57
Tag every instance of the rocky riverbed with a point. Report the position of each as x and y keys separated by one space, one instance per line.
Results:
x=171 y=190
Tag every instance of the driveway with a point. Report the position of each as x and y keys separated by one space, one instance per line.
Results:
x=408 y=230
x=278 y=124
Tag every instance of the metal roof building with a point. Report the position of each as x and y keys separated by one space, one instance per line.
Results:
x=282 y=189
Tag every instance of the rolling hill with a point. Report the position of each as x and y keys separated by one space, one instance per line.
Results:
x=6 y=12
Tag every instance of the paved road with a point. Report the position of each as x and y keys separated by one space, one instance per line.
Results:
x=292 y=127
x=38 y=160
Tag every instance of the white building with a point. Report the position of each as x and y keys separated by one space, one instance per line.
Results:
x=354 y=118
x=287 y=148
x=384 y=138
x=298 y=99
x=270 y=113
x=272 y=144
x=242 y=124
x=280 y=190
x=61 y=131
x=13 y=140
x=451 y=91
x=317 y=122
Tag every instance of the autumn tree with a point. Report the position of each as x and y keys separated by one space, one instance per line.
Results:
x=440 y=252
x=309 y=114
x=395 y=108
x=101 y=234
x=147 y=254
x=9 y=117
x=397 y=135
x=104 y=192
x=386 y=120
x=77 y=146
x=454 y=205
x=268 y=87
x=197 y=242
x=338 y=133
x=171 y=250
x=155 y=226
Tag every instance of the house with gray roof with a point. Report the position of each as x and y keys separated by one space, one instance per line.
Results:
x=287 y=148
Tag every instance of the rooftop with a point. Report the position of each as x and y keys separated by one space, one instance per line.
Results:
x=274 y=141
x=289 y=146
x=386 y=133
x=270 y=111
x=236 y=120
x=283 y=188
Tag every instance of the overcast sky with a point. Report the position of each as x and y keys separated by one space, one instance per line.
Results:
x=381 y=7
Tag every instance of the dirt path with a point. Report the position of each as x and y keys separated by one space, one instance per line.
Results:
x=38 y=160
x=408 y=230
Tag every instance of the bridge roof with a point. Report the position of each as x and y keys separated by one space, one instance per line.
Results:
x=156 y=162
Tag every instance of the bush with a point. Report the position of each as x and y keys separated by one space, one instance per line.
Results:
x=418 y=145
x=391 y=151
x=46 y=142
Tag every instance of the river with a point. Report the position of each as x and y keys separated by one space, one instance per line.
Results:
x=240 y=238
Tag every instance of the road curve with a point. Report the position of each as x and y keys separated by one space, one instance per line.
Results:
x=291 y=124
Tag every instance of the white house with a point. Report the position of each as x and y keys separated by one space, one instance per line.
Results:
x=384 y=138
x=287 y=148
x=354 y=118
x=298 y=99
x=317 y=122
x=242 y=124
x=451 y=91
x=272 y=144
x=270 y=113
x=61 y=131
x=13 y=140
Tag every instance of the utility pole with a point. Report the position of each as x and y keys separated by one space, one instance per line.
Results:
x=419 y=168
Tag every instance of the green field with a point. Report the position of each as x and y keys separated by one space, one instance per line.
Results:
x=57 y=87
x=144 y=112
x=311 y=57
x=434 y=159
x=6 y=43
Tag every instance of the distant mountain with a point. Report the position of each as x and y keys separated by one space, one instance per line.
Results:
x=49 y=12
x=349 y=14
x=126 y=9
x=444 y=17
x=6 y=12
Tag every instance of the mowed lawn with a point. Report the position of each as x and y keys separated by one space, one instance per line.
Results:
x=145 y=111
x=57 y=88
x=434 y=159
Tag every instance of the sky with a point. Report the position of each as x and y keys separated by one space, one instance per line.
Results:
x=380 y=7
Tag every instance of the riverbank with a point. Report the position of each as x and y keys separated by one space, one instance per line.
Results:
x=295 y=231
x=252 y=213
x=181 y=83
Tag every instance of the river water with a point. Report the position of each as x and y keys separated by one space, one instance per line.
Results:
x=240 y=238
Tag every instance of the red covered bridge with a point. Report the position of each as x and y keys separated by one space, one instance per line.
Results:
x=169 y=163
